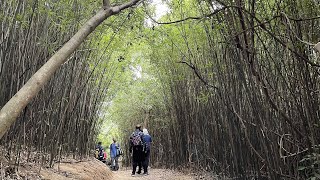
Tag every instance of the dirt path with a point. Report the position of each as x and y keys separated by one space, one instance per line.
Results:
x=91 y=169
x=154 y=174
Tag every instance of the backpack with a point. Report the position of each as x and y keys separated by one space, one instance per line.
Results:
x=119 y=152
x=99 y=152
x=136 y=139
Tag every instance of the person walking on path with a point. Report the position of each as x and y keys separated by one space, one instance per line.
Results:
x=114 y=155
x=147 y=140
x=136 y=148
x=139 y=166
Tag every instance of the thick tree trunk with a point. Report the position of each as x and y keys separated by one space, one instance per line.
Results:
x=18 y=102
x=318 y=46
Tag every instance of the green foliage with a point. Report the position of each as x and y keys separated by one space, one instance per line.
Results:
x=152 y=74
x=110 y=131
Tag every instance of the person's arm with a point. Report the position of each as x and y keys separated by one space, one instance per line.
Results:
x=110 y=150
x=130 y=145
x=142 y=138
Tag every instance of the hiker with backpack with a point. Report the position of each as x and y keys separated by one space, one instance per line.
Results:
x=137 y=149
x=115 y=152
x=99 y=151
x=147 y=139
x=139 y=165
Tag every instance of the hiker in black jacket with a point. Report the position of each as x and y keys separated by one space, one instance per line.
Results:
x=99 y=150
x=137 y=149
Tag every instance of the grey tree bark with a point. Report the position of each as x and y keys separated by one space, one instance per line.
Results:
x=317 y=46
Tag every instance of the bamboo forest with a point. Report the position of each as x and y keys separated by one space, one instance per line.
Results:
x=227 y=89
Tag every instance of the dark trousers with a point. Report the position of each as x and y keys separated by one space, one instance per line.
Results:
x=137 y=158
x=114 y=163
x=134 y=167
x=146 y=162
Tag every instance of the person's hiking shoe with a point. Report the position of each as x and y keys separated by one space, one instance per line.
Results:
x=133 y=175
x=145 y=174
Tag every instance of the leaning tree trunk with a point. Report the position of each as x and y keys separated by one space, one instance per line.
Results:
x=318 y=46
x=11 y=110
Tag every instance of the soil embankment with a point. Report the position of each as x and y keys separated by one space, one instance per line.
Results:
x=92 y=169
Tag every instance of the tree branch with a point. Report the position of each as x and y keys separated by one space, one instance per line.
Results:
x=117 y=9
x=106 y=4
x=305 y=19
x=291 y=29
x=188 y=18
x=219 y=10
x=197 y=74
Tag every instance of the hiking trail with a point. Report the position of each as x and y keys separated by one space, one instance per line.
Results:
x=92 y=169
x=154 y=174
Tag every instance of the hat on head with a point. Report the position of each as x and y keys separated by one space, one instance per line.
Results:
x=145 y=131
